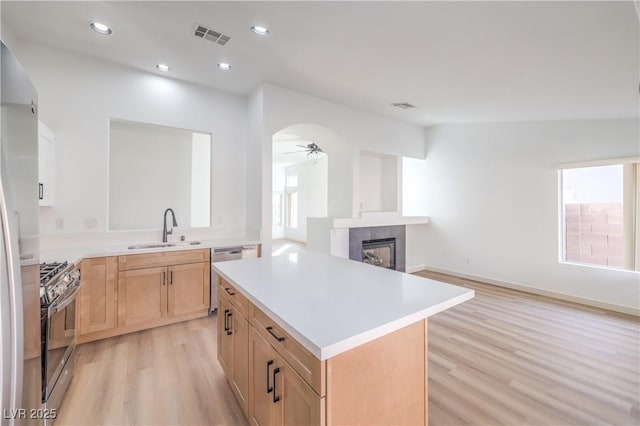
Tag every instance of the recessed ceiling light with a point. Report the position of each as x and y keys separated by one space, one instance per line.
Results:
x=261 y=31
x=100 y=28
x=163 y=67
x=223 y=66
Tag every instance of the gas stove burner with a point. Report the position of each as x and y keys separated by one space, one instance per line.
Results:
x=57 y=279
x=50 y=270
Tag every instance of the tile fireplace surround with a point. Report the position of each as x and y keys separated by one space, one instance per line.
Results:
x=358 y=235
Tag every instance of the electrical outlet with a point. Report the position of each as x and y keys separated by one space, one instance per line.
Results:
x=219 y=220
x=467 y=260
x=59 y=224
x=90 y=223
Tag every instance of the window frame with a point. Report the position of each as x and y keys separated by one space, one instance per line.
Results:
x=631 y=211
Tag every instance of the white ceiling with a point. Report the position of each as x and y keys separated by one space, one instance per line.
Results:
x=456 y=61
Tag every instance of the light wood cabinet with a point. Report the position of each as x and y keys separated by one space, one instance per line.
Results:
x=299 y=404
x=151 y=294
x=310 y=368
x=277 y=394
x=383 y=381
x=225 y=341
x=142 y=296
x=262 y=358
x=31 y=303
x=233 y=344
x=188 y=289
x=97 y=308
x=129 y=293
x=240 y=374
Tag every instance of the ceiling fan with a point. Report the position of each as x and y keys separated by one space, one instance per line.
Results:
x=312 y=149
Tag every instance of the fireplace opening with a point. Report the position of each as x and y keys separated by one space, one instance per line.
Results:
x=380 y=252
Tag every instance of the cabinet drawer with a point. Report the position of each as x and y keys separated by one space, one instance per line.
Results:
x=310 y=368
x=234 y=296
x=163 y=258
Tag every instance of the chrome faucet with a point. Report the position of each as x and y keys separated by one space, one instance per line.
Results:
x=164 y=228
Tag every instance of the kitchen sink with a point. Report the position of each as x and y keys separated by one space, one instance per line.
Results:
x=163 y=245
x=187 y=243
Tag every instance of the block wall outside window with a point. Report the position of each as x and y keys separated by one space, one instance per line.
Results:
x=594 y=234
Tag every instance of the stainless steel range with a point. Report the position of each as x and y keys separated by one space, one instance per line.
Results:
x=59 y=286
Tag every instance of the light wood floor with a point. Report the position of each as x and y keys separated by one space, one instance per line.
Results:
x=504 y=357
x=165 y=376
x=512 y=358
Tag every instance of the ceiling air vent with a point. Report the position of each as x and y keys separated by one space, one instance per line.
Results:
x=211 y=35
x=403 y=105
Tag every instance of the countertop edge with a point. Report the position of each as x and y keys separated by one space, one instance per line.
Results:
x=383 y=330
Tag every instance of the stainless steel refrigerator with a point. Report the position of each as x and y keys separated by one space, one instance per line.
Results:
x=20 y=350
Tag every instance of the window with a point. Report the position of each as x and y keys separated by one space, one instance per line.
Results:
x=292 y=181
x=291 y=184
x=292 y=209
x=599 y=215
x=277 y=201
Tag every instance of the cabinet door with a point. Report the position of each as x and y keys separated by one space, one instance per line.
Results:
x=297 y=403
x=46 y=166
x=262 y=358
x=225 y=337
x=142 y=296
x=97 y=298
x=189 y=288
x=240 y=374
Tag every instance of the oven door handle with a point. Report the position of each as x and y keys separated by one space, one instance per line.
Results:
x=63 y=303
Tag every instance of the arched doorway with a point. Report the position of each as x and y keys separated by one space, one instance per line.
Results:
x=307 y=163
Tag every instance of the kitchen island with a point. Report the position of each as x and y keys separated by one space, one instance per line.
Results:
x=309 y=338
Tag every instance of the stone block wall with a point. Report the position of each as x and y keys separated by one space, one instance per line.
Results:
x=594 y=234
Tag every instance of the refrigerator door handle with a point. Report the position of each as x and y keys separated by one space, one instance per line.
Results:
x=11 y=263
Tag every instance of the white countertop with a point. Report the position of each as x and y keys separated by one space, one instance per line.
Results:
x=75 y=254
x=330 y=304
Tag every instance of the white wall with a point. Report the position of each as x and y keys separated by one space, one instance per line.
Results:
x=257 y=162
x=370 y=193
x=378 y=185
x=492 y=196
x=78 y=95
x=278 y=182
x=312 y=194
x=391 y=188
x=200 y=180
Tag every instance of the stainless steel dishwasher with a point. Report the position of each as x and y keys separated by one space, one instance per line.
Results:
x=223 y=254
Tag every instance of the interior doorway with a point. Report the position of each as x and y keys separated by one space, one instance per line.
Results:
x=300 y=167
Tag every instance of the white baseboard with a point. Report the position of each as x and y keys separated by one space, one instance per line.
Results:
x=562 y=296
x=415 y=268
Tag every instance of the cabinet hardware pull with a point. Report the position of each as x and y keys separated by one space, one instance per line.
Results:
x=226 y=324
x=270 y=330
x=269 y=364
x=164 y=278
x=171 y=277
x=41 y=191
x=230 y=331
x=228 y=290
x=276 y=398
